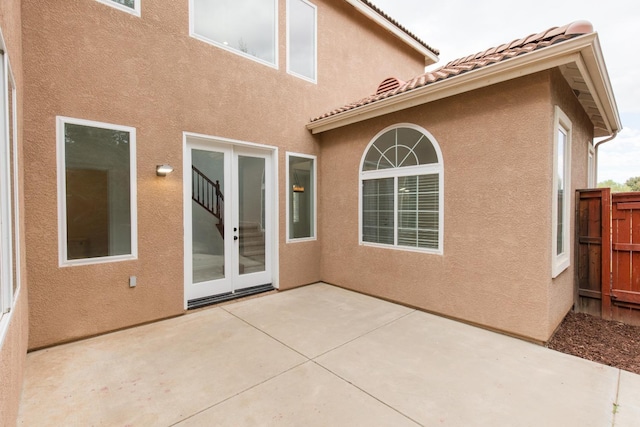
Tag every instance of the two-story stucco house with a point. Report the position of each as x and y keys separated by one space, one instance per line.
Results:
x=159 y=156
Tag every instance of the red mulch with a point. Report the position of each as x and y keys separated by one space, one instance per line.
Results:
x=611 y=343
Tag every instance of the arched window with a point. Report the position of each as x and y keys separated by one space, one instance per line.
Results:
x=401 y=190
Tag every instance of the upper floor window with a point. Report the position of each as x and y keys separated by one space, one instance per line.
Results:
x=96 y=192
x=301 y=39
x=401 y=190
x=561 y=200
x=130 y=6
x=246 y=27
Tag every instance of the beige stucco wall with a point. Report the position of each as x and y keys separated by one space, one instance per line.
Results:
x=13 y=347
x=562 y=290
x=495 y=271
x=90 y=61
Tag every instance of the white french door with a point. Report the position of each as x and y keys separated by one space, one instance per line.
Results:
x=228 y=218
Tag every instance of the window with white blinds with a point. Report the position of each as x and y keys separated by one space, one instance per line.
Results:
x=401 y=190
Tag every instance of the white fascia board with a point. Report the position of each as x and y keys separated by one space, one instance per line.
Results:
x=595 y=68
x=529 y=63
x=429 y=56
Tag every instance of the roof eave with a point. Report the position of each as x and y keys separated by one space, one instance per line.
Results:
x=429 y=56
x=580 y=50
x=602 y=92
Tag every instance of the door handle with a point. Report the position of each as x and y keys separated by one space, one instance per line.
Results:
x=235 y=237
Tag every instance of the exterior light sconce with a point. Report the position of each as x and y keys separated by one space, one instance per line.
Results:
x=163 y=170
x=297 y=188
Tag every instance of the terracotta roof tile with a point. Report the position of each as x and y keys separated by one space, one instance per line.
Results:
x=400 y=26
x=476 y=61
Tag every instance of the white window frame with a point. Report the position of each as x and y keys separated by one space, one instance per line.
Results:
x=591 y=166
x=315 y=198
x=560 y=262
x=9 y=231
x=429 y=169
x=62 y=208
x=192 y=33
x=137 y=10
x=315 y=43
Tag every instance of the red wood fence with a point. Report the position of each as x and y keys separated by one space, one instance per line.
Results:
x=608 y=254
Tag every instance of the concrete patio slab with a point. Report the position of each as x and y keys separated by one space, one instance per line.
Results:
x=315 y=319
x=307 y=395
x=156 y=374
x=628 y=410
x=319 y=355
x=438 y=371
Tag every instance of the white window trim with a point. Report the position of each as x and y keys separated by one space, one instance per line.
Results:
x=315 y=43
x=404 y=171
x=315 y=198
x=62 y=205
x=137 y=10
x=193 y=34
x=562 y=261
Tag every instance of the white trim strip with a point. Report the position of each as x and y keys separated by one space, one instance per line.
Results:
x=62 y=205
x=315 y=198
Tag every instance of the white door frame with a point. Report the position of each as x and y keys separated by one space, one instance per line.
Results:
x=212 y=142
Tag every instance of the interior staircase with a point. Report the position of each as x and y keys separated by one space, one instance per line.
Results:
x=207 y=194
x=252 y=242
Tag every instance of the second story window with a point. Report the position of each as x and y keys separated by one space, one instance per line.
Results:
x=247 y=27
x=301 y=39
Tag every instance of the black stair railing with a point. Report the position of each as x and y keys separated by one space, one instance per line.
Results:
x=207 y=194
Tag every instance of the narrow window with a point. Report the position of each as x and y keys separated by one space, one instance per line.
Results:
x=561 y=202
x=301 y=196
x=9 y=233
x=301 y=39
x=246 y=27
x=401 y=190
x=130 y=6
x=96 y=191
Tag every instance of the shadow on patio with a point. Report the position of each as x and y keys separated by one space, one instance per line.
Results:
x=324 y=356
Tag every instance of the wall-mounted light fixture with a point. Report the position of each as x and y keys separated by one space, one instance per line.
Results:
x=163 y=170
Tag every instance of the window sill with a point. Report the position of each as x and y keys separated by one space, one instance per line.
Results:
x=302 y=240
x=234 y=51
x=123 y=8
x=559 y=266
x=100 y=260
x=403 y=248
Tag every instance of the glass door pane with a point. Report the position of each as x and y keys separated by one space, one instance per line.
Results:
x=251 y=214
x=207 y=215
